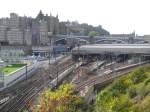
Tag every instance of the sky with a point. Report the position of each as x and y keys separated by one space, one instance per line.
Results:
x=116 y=16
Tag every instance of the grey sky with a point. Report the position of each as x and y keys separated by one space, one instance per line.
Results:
x=117 y=16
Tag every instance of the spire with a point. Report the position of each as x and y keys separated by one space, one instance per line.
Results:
x=40 y=16
x=57 y=16
x=50 y=14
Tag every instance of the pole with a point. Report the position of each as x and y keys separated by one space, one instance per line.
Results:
x=26 y=72
x=57 y=74
x=49 y=56
x=57 y=67
x=49 y=49
x=97 y=62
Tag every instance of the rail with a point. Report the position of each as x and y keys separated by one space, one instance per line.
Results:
x=109 y=75
x=31 y=89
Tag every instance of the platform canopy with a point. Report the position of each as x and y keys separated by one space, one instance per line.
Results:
x=113 y=48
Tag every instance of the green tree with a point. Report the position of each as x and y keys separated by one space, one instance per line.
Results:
x=61 y=100
x=91 y=34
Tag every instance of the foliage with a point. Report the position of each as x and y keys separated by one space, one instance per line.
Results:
x=93 y=33
x=147 y=81
x=138 y=75
x=24 y=110
x=142 y=106
x=129 y=93
x=61 y=100
x=132 y=92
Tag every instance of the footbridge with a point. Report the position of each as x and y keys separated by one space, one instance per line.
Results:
x=100 y=39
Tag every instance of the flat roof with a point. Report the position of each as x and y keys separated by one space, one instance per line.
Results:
x=116 y=48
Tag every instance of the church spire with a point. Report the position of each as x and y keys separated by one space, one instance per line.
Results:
x=50 y=14
x=57 y=16
x=40 y=16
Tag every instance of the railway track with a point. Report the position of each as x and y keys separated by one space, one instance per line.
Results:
x=31 y=87
x=89 y=70
x=108 y=76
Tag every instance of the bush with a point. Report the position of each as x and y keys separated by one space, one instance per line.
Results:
x=144 y=91
x=132 y=92
x=143 y=106
x=122 y=104
x=138 y=75
x=119 y=86
x=147 y=81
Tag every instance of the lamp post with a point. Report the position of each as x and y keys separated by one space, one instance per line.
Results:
x=68 y=25
x=26 y=71
x=54 y=55
x=50 y=44
x=50 y=49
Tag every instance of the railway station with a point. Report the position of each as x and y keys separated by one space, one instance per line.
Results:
x=112 y=50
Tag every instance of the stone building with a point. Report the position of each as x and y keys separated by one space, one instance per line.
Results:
x=14 y=20
x=62 y=28
x=28 y=31
x=15 y=36
x=17 y=30
x=43 y=32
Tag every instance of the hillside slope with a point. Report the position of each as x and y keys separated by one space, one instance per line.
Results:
x=129 y=93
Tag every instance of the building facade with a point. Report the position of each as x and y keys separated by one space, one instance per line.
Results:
x=17 y=30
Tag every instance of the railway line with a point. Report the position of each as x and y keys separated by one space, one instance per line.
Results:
x=108 y=76
x=28 y=89
x=92 y=69
x=20 y=94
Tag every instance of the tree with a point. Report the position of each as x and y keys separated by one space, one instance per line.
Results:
x=61 y=100
x=91 y=34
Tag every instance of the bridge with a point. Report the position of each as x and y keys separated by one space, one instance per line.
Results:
x=110 y=41
x=101 y=39
x=70 y=40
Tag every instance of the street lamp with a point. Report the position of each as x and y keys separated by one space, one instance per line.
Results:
x=50 y=44
x=68 y=29
x=50 y=48
x=26 y=71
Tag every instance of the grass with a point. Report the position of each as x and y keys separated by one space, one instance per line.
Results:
x=11 y=68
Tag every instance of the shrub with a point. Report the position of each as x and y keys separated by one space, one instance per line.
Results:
x=119 y=86
x=138 y=75
x=132 y=92
x=122 y=104
x=147 y=81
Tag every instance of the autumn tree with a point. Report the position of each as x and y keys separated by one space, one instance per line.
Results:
x=61 y=100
